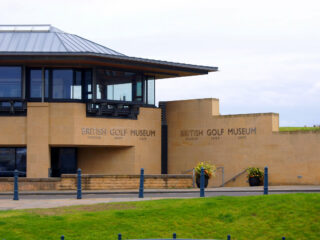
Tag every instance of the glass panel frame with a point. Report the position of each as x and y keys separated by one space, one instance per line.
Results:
x=17 y=90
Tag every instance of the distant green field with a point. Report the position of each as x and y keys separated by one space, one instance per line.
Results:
x=286 y=129
x=295 y=216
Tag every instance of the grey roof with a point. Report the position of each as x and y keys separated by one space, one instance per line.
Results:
x=46 y=39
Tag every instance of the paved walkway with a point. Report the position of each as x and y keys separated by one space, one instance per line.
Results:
x=295 y=188
x=46 y=199
x=52 y=203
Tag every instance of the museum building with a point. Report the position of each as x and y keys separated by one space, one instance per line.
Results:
x=67 y=103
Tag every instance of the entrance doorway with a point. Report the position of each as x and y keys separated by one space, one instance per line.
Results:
x=63 y=161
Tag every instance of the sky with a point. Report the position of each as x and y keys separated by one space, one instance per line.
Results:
x=268 y=52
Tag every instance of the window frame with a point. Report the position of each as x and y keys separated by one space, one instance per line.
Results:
x=15 y=159
x=21 y=83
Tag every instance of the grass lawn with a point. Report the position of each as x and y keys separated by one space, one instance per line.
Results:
x=286 y=129
x=296 y=216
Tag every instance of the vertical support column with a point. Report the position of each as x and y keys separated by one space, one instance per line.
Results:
x=141 y=183
x=202 y=183
x=15 y=187
x=266 y=181
x=79 y=187
x=164 y=139
x=38 y=131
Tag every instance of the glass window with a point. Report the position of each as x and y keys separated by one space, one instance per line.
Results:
x=21 y=159
x=151 y=97
x=62 y=81
x=35 y=83
x=10 y=82
x=88 y=84
x=114 y=85
x=11 y=159
x=46 y=83
x=77 y=87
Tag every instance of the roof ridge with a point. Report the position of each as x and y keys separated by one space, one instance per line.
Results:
x=97 y=44
x=62 y=43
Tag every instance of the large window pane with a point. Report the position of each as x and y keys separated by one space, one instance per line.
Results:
x=151 y=97
x=10 y=82
x=62 y=84
x=36 y=83
x=77 y=88
x=7 y=161
x=21 y=160
x=114 y=85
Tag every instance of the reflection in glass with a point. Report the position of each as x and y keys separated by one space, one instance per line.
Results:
x=64 y=85
x=35 y=83
x=114 y=85
x=10 y=82
x=151 y=97
x=11 y=159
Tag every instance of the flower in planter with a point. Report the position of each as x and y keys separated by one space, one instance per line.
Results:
x=254 y=172
x=209 y=169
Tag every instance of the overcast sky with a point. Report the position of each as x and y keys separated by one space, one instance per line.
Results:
x=268 y=52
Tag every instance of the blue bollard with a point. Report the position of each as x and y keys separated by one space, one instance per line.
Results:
x=62 y=237
x=15 y=187
x=266 y=183
x=202 y=183
x=119 y=236
x=141 y=183
x=283 y=238
x=174 y=235
x=229 y=237
x=79 y=190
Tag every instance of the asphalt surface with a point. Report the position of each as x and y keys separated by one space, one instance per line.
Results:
x=149 y=195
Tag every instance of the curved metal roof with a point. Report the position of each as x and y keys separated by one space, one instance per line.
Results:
x=46 y=39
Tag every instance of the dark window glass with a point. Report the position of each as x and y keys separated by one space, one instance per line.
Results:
x=151 y=97
x=21 y=157
x=114 y=85
x=88 y=84
x=36 y=83
x=139 y=91
x=11 y=159
x=10 y=82
x=62 y=81
x=46 y=83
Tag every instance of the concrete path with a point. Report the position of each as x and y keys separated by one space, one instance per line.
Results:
x=53 y=203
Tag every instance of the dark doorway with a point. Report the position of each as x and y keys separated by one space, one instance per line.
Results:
x=63 y=160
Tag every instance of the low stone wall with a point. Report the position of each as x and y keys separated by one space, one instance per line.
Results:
x=98 y=182
x=30 y=184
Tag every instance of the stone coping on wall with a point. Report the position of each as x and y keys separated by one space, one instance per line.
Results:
x=245 y=115
x=24 y=179
x=155 y=176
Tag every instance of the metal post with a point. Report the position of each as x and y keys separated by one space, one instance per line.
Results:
x=222 y=176
x=141 y=183
x=202 y=183
x=15 y=187
x=193 y=178
x=266 y=183
x=174 y=235
x=283 y=238
x=79 y=190
x=229 y=237
x=62 y=237
x=119 y=236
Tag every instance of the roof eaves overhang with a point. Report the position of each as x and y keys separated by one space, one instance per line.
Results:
x=164 y=68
